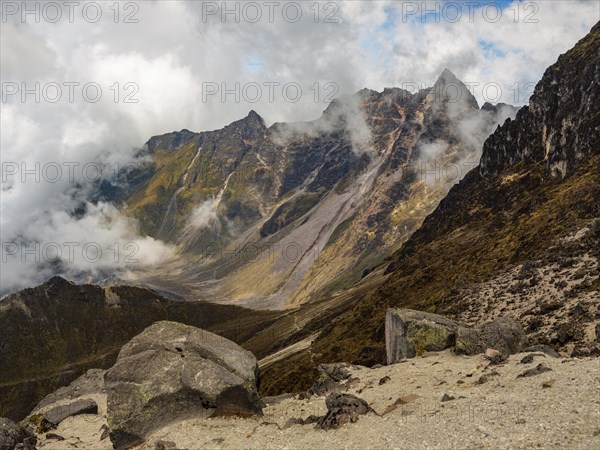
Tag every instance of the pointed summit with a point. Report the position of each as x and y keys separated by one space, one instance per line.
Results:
x=251 y=121
x=448 y=88
x=446 y=77
x=253 y=115
x=254 y=118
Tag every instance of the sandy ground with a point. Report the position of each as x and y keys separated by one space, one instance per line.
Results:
x=502 y=412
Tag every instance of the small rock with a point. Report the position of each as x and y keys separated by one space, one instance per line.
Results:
x=528 y=359
x=399 y=402
x=537 y=370
x=578 y=311
x=55 y=436
x=56 y=415
x=384 y=380
x=293 y=421
x=482 y=430
x=548 y=384
x=492 y=353
x=482 y=379
x=543 y=349
x=341 y=409
x=352 y=383
x=447 y=398
x=165 y=445
x=27 y=444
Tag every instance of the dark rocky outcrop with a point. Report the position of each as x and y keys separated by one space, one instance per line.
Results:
x=173 y=371
x=561 y=125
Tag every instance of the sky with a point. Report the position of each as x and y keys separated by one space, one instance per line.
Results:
x=84 y=87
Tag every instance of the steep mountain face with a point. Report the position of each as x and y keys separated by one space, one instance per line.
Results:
x=278 y=216
x=51 y=334
x=562 y=122
x=519 y=236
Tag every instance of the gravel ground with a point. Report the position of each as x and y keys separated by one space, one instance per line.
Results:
x=492 y=408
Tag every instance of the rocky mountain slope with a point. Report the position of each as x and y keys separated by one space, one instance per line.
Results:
x=273 y=217
x=519 y=236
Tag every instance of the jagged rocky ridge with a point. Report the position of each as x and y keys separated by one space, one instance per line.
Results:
x=273 y=217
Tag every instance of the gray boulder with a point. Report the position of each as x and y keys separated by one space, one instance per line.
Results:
x=172 y=371
x=90 y=383
x=12 y=434
x=67 y=401
x=503 y=334
x=56 y=415
x=409 y=333
x=330 y=376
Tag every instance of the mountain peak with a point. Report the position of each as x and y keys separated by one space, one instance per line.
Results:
x=253 y=119
x=446 y=76
x=449 y=88
x=253 y=115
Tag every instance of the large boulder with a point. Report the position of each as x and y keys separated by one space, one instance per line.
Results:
x=409 y=333
x=503 y=334
x=172 y=371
